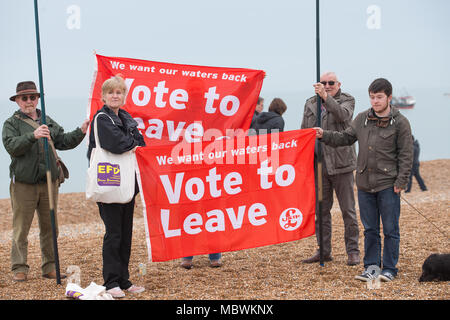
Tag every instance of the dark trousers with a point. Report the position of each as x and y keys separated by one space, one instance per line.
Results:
x=342 y=184
x=118 y=220
x=415 y=172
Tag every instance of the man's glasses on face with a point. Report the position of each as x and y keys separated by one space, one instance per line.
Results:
x=330 y=83
x=31 y=97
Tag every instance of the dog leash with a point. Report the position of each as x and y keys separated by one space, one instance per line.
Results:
x=418 y=211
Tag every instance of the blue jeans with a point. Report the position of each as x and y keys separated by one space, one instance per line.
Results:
x=212 y=256
x=385 y=203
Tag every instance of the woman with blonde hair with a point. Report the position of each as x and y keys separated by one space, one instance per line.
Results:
x=117 y=133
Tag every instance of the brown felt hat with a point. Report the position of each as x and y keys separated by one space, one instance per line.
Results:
x=24 y=88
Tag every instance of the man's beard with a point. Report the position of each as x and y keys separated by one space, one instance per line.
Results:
x=383 y=110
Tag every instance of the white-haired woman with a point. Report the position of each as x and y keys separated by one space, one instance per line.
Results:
x=117 y=136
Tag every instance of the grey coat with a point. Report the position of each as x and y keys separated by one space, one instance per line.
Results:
x=338 y=116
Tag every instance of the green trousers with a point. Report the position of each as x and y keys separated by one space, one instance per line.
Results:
x=25 y=200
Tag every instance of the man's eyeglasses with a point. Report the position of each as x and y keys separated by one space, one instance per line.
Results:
x=331 y=83
x=25 y=98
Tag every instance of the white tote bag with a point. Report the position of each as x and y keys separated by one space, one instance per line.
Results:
x=110 y=176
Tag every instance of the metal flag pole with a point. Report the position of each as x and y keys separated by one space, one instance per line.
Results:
x=47 y=158
x=319 y=146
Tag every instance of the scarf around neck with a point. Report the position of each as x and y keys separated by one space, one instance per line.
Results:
x=381 y=122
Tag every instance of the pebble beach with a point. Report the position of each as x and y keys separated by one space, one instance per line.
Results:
x=271 y=272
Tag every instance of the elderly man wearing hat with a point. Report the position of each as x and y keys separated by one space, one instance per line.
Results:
x=21 y=135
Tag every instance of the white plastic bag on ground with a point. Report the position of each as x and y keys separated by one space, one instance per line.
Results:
x=91 y=292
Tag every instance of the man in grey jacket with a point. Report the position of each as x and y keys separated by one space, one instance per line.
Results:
x=384 y=164
x=338 y=165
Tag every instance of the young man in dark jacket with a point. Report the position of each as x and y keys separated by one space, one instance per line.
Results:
x=29 y=191
x=383 y=167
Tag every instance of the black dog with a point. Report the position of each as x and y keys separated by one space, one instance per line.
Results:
x=436 y=267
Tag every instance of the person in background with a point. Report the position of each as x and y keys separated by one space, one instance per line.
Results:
x=117 y=133
x=383 y=167
x=215 y=261
x=272 y=120
x=338 y=165
x=258 y=109
x=22 y=137
x=415 y=168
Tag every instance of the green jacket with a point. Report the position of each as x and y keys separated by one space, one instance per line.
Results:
x=385 y=155
x=27 y=153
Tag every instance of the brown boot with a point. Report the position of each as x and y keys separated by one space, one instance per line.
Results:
x=20 y=276
x=215 y=263
x=316 y=258
x=186 y=263
x=52 y=275
x=353 y=259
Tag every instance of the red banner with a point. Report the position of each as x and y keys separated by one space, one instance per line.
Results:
x=227 y=195
x=172 y=102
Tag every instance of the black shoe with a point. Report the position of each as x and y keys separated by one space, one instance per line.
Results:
x=365 y=276
x=386 y=276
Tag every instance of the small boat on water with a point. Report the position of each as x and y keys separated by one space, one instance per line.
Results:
x=405 y=102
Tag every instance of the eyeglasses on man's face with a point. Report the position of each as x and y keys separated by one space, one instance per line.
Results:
x=330 y=83
x=31 y=97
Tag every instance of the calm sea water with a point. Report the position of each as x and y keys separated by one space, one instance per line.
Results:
x=429 y=121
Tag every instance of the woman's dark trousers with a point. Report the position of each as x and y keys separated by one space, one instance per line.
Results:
x=118 y=220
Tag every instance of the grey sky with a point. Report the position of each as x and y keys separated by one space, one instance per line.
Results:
x=411 y=48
